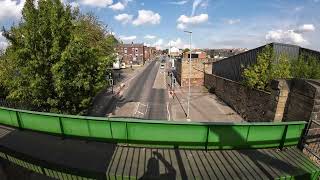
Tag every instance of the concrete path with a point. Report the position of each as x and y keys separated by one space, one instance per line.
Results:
x=204 y=106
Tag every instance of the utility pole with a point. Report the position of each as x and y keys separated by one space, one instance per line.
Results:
x=189 y=93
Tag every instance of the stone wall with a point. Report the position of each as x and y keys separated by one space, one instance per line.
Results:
x=304 y=101
x=304 y=104
x=289 y=100
x=252 y=105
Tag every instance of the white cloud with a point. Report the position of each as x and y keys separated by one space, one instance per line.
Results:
x=97 y=3
x=10 y=9
x=178 y=43
x=147 y=44
x=149 y=36
x=181 y=26
x=184 y=21
x=158 y=44
x=146 y=17
x=3 y=42
x=193 y=19
x=123 y=18
x=178 y=2
x=287 y=36
x=117 y=7
x=233 y=21
x=127 y=38
x=294 y=36
x=195 y=5
x=74 y=4
x=306 y=28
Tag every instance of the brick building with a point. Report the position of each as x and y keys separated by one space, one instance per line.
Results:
x=132 y=53
x=195 y=54
x=149 y=53
x=138 y=54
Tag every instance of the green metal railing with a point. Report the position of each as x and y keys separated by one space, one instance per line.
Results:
x=168 y=133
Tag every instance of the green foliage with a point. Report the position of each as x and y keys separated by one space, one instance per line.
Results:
x=306 y=66
x=186 y=50
x=268 y=67
x=281 y=68
x=258 y=75
x=57 y=58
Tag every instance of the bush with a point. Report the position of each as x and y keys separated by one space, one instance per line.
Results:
x=268 y=67
x=306 y=66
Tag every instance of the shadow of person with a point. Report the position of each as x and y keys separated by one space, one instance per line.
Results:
x=153 y=169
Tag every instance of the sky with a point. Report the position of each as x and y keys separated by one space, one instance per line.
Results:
x=214 y=23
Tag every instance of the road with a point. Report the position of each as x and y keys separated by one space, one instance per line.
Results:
x=145 y=96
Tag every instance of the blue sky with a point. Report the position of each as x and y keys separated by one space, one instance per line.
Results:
x=215 y=23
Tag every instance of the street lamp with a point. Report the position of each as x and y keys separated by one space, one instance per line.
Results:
x=190 y=54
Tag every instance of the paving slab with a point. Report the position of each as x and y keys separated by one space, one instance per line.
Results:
x=204 y=106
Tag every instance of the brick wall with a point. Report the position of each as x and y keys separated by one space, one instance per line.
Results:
x=252 y=105
x=197 y=71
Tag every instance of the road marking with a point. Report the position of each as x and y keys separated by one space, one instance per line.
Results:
x=135 y=112
x=146 y=109
x=140 y=112
x=169 y=118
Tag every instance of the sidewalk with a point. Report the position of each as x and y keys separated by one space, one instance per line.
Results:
x=204 y=106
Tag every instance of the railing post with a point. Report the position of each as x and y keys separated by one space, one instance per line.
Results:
x=19 y=120
x=127 y=136
x=61 y=128
x=207 y=138
x=284 y=135
x=304 y=134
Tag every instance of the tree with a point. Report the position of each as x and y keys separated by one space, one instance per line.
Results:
x=281 y=68
x=57 y=58
x=186 y=50
x=306 y=66
x=267 y=68
x=258 y=75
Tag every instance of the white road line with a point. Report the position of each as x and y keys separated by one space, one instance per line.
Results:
x=140 y=112
x=169 y=117
x=136 y=109
x=146 y=109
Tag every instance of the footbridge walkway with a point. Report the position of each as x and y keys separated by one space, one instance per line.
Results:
x=76 y=147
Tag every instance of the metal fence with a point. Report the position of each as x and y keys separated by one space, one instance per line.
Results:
x=176 y=134
x=233 y=67
x=310 y=142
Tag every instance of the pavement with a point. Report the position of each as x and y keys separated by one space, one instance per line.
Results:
x=204 y=106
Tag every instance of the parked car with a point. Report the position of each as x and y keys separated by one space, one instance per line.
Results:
x=123 y=65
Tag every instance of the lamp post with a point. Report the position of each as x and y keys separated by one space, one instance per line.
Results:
x=189 y=93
